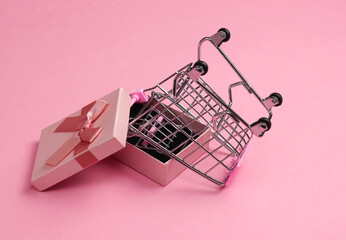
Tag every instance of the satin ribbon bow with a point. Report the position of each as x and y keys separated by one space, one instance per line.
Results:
x=83 y=126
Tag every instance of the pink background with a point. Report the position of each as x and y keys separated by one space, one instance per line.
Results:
x=57 y=56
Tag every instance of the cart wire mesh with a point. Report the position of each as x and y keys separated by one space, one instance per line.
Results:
x=174 y=119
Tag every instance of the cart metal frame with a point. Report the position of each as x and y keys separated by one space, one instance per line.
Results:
x=185 y=93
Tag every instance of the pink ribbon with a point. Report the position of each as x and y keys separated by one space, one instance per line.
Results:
x=83 y=126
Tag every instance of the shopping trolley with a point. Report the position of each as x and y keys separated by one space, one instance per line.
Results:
x=156 y=122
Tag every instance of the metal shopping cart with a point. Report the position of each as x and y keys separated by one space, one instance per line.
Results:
x=156 y=123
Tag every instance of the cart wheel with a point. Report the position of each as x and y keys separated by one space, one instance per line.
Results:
x=226 y=31
x=203 y=65
x=278 y=96
x=265 y=123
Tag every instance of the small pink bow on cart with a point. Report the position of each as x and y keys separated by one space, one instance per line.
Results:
x=83 y=126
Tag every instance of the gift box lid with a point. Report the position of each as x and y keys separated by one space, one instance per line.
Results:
x=82 y=139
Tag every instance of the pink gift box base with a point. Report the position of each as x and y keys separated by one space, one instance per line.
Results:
x=164 y=172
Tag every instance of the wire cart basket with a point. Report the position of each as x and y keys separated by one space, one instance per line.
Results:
x=156 y=122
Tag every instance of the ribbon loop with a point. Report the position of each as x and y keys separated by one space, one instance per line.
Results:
x=83 y=124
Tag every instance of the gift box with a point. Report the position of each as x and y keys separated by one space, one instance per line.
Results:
x=161 y=167
x=82 y=139
x=99 y=130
